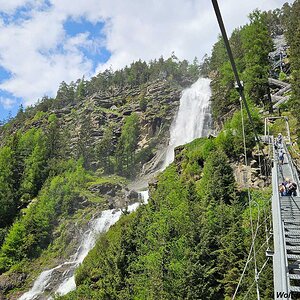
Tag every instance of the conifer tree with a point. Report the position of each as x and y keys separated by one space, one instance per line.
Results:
x=293 y=37
x=257 y=45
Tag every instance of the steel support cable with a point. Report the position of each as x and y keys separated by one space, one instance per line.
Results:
x=249 y=202
x=266 y=226
x=251 y=286
x=262 y=246
x=242 y=95
x=252 y=248
x=249 y=258
x=262 y=224
x=235 y=72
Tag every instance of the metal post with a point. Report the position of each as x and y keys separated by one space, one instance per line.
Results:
x=288 y=129
x=266 y=127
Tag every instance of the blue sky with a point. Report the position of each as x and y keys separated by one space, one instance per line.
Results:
x=45 y=42
x=86 y=39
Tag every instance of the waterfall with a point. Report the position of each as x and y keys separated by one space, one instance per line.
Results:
x=144 y=196
x=64 y=273
x=192 y=119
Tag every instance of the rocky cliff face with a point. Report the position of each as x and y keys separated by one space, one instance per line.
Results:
x=155 y=103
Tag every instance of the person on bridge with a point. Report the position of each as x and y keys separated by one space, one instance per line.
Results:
x=281 y=156
x=291 y=189
x=282 y=190
x=287 y=182
x=276 y=144
x=279 y=138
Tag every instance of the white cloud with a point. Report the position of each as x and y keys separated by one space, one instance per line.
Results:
x=10 y=6
x=147 y=29
x=39 y=54
x=30 y=51
x=7 y=103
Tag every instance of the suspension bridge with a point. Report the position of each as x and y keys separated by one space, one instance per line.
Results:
x=286 y=229
x=285 y=251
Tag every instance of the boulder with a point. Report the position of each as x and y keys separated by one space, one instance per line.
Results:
x=11 y=281
x=106 y=188
x=133 y=195
x=254 y=164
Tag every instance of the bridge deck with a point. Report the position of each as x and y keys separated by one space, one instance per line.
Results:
x=286 y=229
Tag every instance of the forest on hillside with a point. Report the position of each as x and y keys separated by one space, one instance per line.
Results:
x=36 y=153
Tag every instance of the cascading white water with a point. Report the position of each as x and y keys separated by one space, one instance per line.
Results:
x=192 y=121
x=192 y=117
x=99 y=225
x=144 y=196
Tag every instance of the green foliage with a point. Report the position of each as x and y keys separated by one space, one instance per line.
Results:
x=143 y=103
x=35 y=171
x=224 y=97
x=217 y=183
x=81 y=89
x=23 y=170
x=65 y=94
x=250 y=45
x=33 y=231
x=127 y=144
x=105 y=150
x=84 y=144
x=282 y=76
x=189 y=242
x=140 y=72
x=230 y=140
x=293 y=38
x=54 y=139
x=257 y=45
x=7 y=200
x=38 y=116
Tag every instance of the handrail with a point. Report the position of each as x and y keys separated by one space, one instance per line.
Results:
x=291 y=163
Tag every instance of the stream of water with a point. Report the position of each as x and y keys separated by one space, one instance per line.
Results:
x=192 y=121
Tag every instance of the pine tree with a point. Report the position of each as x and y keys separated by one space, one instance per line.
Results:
x=127 y=145
x=293 y=37
x=257 y=44
x=8 y=205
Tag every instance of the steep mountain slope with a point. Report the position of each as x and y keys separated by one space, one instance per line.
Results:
x=50 y=152
x=59 y=163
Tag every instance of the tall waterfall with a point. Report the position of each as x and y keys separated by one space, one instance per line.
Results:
x=192 y=121
x=193 y=117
